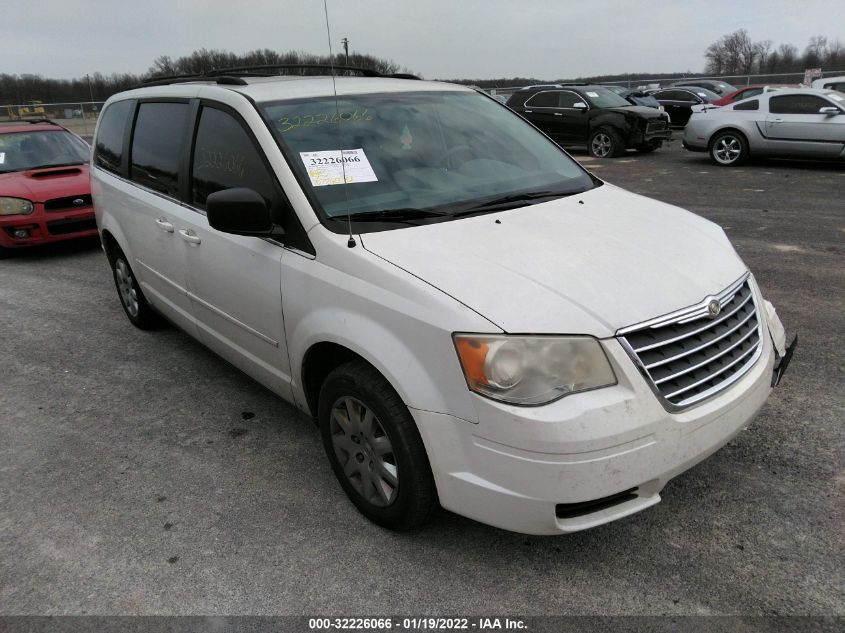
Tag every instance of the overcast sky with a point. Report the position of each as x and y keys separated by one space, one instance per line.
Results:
x=547 y=39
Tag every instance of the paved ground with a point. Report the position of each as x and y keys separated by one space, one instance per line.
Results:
x=141 y=474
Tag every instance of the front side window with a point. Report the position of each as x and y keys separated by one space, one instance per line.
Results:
x=569 y=99
x=225 y=157
x=21 y=151
x=108 y=151
x=442 y=152
x=157 y=145
x=796 y=104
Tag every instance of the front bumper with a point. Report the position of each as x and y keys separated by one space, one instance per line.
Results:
x=534 y=470
x=47 y=226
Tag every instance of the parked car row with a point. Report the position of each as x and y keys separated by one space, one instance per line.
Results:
x=592 y=116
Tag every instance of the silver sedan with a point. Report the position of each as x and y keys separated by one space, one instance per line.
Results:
x=801 y=123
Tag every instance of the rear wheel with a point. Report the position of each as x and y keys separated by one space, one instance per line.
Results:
x=728 y=148
x=374 y=447
x=131 y=297
x=605 y=143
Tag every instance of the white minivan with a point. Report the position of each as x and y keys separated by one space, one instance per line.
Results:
x=473 y=320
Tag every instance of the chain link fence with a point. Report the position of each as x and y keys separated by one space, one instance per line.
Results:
x=78 y=117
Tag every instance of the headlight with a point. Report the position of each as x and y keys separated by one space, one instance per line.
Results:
x=15 y=206
x=531 y=370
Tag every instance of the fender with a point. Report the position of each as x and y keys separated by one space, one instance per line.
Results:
x=392 y=357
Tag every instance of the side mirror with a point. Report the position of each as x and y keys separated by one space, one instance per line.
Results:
x=580 y=105
x=240 y=211
x=830 y=110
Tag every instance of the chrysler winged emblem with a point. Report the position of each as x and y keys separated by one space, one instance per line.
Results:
x=714 y=308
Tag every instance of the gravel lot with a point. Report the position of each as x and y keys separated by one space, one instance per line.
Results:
x=141 y=474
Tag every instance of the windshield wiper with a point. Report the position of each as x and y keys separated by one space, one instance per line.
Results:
x=513 y=200
x=392 y=215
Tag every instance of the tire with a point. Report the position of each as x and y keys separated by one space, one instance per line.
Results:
x=647 y=148
x=6 y=252
x=132 y=299
x=367 y=430
x=728 y=148
x=605 y=142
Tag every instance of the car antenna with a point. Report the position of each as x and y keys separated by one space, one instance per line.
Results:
x=351 y=242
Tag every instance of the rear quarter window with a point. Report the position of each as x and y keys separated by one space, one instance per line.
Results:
x=752 y=104
x=108 y=147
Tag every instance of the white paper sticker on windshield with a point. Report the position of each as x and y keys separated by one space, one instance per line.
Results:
x=593 y=94
x=2 y=157
x=326 y=168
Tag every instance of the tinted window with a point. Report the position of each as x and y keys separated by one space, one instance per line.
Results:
x=225 y=157
x=796 y=104
x=157 y=146
x=672 y=95
x=751 y=92
x=545 y=99
x=108 y=152
x=752 y=104
x=569 y=99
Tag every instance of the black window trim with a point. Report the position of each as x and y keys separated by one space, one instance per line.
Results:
x=198 y=104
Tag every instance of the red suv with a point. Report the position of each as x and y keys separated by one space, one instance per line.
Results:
x=45 y=195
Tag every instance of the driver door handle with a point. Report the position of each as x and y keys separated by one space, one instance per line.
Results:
x=164 y=225
x=189 y=236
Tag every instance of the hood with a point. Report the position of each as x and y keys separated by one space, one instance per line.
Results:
x=39 y=185
x=587 y=264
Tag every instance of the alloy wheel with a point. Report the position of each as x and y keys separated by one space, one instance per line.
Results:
x=126 y=287
x=727 y=150
x=364 y=451
x=602 y=145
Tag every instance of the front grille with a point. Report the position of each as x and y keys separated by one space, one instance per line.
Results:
x=656 y=126
x=692 y=355
x=63 y=227
x=70 y=202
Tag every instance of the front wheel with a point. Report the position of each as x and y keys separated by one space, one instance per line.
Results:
x=605 y=143
x=728 y=148
x=374 y=447
x=132 y=299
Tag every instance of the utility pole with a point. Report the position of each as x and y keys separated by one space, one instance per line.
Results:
x=345 y=42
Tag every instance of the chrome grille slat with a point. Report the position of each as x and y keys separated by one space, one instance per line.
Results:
x=694 y=332
x=702 y=346
x=687 y=356
x=703 y=363
x=718 y=373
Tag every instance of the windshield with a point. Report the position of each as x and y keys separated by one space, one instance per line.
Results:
x=604 y=98
x=443 y=152
x=21 y=151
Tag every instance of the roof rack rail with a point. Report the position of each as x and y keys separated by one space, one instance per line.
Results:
x=181 y=79
x=241 y=69
x=235 y=75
